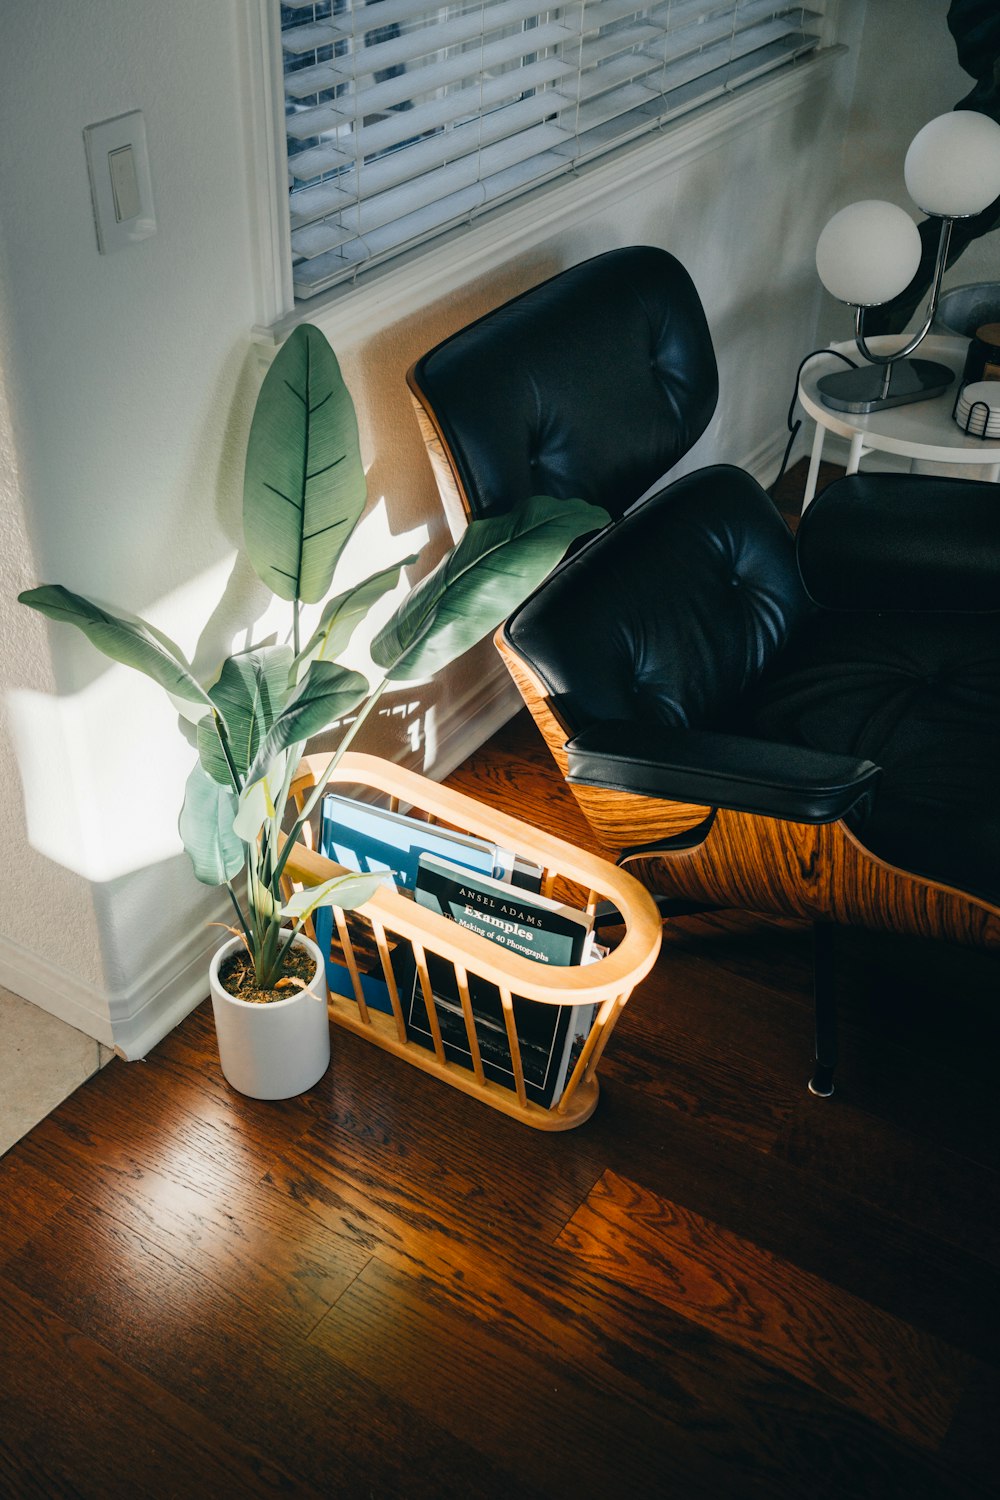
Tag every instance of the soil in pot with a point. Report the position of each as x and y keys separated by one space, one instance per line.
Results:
x=236 y=975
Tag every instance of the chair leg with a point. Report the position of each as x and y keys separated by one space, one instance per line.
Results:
x=821 y=1082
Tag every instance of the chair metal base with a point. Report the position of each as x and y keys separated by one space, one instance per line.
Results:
x=821 y=1082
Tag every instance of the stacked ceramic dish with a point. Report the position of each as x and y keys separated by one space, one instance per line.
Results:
x=977 y=411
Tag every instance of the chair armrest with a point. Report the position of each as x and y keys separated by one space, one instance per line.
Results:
x=720 y=770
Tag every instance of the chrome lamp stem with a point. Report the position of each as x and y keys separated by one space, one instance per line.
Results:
x=940 y=261
x=872 y=387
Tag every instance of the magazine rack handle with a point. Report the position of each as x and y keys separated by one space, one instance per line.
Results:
x=605 y=984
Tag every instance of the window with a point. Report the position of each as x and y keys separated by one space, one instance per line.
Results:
x=406 y=117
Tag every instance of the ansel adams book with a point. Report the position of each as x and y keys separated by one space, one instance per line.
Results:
x=535 y=927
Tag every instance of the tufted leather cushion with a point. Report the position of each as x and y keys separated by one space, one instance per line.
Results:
x=669 y=616
x=690 y=614
x=591 y=385
x=902 y=542
x=918 y=694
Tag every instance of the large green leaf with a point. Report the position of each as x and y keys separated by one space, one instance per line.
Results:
x=304 y=483
x=345 y=891
x=250 y=694
x=259 y=799
x=131 y=642
x=497 y=563
x=344 y=612
x=328 y=692
x=206 y=828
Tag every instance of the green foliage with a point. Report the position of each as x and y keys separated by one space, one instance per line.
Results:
x=344 y=612
x=206 y=827
x=497 y=563
x=304 y=492
x=249 y=695
x=304 y=487
x=132 y=642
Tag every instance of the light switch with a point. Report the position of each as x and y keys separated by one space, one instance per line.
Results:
x=120 y=184
x=124 y=185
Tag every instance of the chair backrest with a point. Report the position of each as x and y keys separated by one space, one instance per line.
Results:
x=591 y=385
x=669 y=616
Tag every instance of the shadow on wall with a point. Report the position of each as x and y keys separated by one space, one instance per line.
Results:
x=975 y=30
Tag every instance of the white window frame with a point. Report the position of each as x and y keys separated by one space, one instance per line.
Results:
x=399 y=287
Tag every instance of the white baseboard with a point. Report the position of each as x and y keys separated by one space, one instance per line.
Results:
x=55 y=990
x=131 y=1021
x=169 y=991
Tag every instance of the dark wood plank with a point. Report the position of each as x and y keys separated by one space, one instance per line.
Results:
x=826 y=1338
x=538 y=1414
x=198 y=1203
x=938 y=1191
x=397 y=1153
x=324 y=1425
x=438 y=1151
x=94 y=1426
x=636 y=1351
x=30 y=1197
x=865 y=1248
x=713 y=1043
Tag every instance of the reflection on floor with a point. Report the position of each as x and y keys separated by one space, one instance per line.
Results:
x=42 y=1060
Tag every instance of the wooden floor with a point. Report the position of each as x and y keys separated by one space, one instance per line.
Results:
x=719 y=1286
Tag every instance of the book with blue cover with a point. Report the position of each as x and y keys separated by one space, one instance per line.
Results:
x=366 y=838
x=523 y=922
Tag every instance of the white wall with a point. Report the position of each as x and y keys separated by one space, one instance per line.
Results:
x=130 y=380
x=907 y=74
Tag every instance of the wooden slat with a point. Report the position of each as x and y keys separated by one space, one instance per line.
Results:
x=620 y=971
x=605 y=984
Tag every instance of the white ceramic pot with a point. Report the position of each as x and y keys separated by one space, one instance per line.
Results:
x=272 y=1051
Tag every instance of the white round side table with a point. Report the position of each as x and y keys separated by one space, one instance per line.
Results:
x=923 y=432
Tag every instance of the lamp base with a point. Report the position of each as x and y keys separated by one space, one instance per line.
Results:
x=860 y=391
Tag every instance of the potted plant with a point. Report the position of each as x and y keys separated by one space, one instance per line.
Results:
x=304 y=493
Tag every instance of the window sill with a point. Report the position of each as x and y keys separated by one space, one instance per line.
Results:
x=387 y=294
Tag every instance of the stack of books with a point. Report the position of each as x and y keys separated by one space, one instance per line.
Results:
x=491 y=891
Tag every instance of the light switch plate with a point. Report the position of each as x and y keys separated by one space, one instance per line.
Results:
x=120 y=184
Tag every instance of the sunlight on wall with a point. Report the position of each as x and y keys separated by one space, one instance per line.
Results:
x=103 y=769
x=372 y=546
x=102 y=772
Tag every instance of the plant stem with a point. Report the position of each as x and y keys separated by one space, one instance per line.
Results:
x=241 y=918
x=320 y=787
x=224 y=742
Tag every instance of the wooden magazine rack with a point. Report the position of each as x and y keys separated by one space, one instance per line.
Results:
x=390 y=919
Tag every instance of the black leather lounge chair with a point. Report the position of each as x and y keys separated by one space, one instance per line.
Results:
x=805 y=726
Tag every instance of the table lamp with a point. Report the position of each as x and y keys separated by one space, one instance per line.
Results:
x=869 y=252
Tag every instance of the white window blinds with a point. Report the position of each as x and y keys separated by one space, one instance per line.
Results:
x=406 y=117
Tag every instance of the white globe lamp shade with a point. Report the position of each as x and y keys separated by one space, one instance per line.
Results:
x=952 y=168
x=868 y=253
